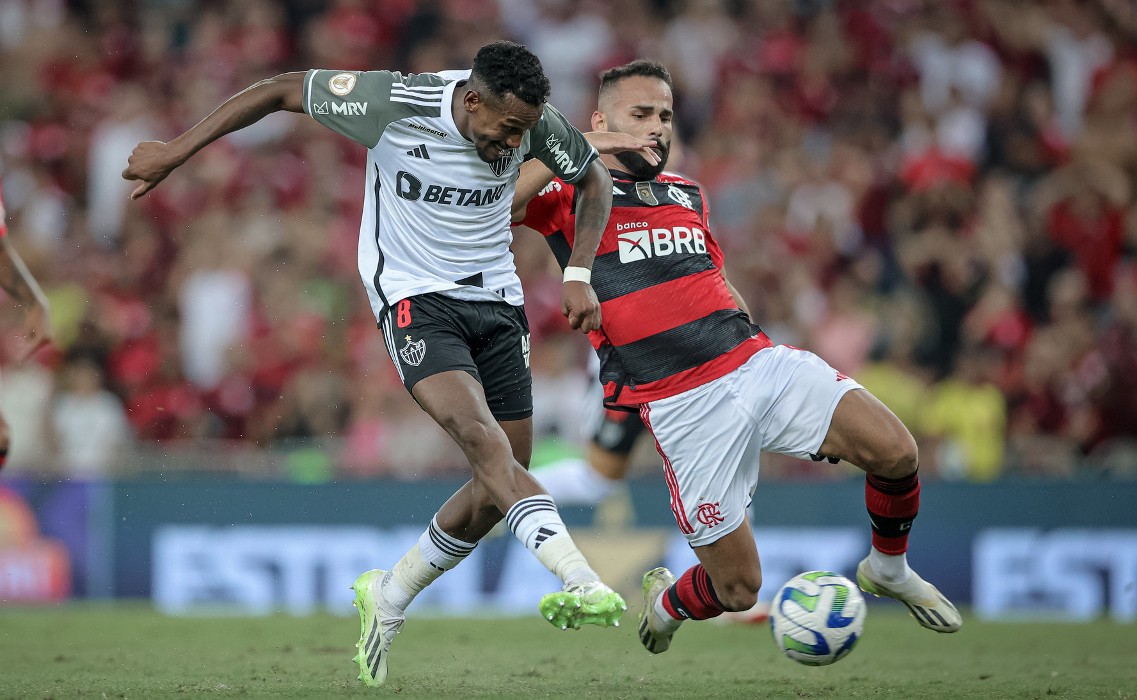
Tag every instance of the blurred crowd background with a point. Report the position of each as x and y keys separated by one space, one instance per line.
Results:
x=935 y=196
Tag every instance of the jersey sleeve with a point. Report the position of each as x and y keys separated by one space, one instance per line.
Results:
x=561 y=146
x=547 y=212
x=356 y=104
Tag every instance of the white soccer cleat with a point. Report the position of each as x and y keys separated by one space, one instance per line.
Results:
x=377 y=627
x=925 y=602
x=656 y=633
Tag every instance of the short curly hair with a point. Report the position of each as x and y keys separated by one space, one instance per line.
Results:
x=504 y=68
x=640 y=67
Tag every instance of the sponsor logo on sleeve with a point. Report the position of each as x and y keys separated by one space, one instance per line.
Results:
x=563 y=160
x=553 y=186
x=350 y=109
x=342 y=83
x=320 y=108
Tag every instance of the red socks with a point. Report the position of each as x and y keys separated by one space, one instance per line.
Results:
x=892 y=505
x=692 y=597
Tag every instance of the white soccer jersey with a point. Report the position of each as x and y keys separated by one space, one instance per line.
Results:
x=435 y=215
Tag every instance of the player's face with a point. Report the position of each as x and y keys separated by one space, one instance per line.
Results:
x=643 y=107
x=498 y=124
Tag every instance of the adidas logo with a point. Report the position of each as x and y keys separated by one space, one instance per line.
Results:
x=543 y=534
x=419 y=152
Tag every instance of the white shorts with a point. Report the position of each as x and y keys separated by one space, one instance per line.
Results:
x=781 y=400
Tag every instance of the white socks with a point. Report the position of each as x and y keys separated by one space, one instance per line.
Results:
x=665 y=617
x=536 y=522
x=574 y=482
x=435 y=553
x=891 y=568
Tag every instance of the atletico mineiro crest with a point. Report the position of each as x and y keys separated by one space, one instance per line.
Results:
x=413 y=352
x=502 y=164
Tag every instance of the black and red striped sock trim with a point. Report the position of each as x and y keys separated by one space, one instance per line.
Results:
x=693 y=596
x=892 y=505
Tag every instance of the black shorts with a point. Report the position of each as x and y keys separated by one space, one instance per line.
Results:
x=618 y=431
x=432 y=333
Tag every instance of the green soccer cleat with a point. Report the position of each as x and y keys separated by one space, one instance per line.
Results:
x=583 y=604
x=656 y=634
x=924 y=601
x=376 y=628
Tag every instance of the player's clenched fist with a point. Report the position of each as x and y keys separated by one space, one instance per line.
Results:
x=150 y=163
x=580 y=306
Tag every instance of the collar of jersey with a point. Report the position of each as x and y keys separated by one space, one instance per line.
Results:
x=623 y=176
x=448 y=110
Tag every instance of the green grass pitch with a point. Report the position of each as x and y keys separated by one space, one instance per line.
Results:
x=129 y=651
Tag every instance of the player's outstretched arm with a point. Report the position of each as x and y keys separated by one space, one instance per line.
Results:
x=21 y=286
x=578 y=300
x=152 y=161
x=535 y=175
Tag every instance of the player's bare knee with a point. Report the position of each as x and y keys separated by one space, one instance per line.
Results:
x=482 y=442
x=897 y=457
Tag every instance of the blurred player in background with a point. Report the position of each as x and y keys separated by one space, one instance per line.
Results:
x=443 y=156
x=677 y=344
x=19 y=283
x=612 y=437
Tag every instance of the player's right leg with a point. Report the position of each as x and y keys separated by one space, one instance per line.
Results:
x=865 y=433
x=485 y=403
x=821 y=412
x=455 y=401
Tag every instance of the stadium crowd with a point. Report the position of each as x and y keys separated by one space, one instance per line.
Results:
x=934 y=196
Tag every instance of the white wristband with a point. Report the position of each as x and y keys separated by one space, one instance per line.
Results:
x=578 y=274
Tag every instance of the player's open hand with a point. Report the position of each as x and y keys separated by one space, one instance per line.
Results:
x=580 y=306
x=150 y=163
x=611 y=142
x=37 y=330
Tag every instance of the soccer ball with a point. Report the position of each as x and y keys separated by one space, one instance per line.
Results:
x=817 y=617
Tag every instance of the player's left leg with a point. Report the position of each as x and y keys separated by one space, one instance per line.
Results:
x=710 y=441
x=727 y=578
x=864 y=432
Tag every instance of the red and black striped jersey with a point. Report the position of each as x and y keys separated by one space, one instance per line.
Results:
x=670 y=323
x=3 y=213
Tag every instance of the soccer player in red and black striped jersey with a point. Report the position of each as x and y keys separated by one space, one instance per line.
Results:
x=677 y=344
x=21 y=286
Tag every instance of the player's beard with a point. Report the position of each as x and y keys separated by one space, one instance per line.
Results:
x=638 y=167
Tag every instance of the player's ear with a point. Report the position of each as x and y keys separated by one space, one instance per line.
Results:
x=599 y=123
x=471 y=100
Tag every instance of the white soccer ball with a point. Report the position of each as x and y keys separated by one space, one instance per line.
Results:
x=817 y=617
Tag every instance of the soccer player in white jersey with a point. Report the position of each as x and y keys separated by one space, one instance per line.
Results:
x=443 y=156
